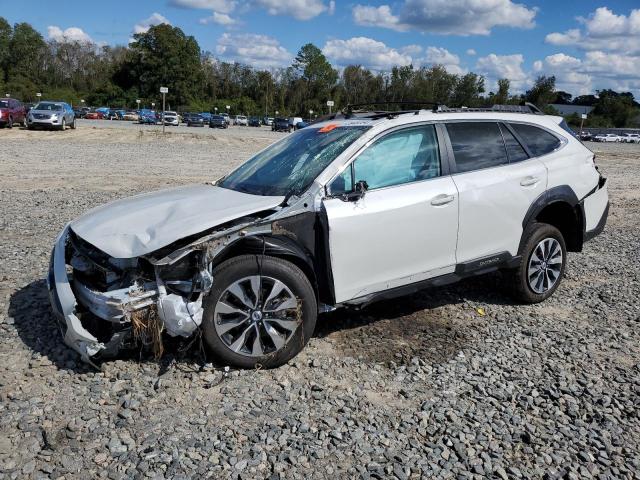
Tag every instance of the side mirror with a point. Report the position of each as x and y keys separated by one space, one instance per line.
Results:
x=360 y=189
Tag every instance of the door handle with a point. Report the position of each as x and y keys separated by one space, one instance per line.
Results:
x=442 y=199
x=528 y=181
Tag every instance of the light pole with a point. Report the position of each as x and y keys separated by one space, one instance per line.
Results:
x=310 y=113
x=7 y=95
x=163 y=91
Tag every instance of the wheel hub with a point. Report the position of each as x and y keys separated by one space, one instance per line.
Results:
x=256 y=316
x=545 y=265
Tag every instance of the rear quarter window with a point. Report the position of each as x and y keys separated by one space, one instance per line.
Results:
x=538 y=141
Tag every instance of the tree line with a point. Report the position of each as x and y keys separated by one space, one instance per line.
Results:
x=116 y=76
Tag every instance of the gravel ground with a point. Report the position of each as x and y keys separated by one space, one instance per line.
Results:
x=426 y=386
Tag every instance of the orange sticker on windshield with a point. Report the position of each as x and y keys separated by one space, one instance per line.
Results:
x=328 y=128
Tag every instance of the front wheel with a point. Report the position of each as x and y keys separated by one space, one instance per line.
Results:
x=542 y=266
x=73 y=124
x=63 y=125
x=261 y=312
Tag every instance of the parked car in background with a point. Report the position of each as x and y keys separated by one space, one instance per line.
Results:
x=94 y=115
x=293 y=121
x=47 y=114
x=267 y=121
x=281 y=125
x=254 y=122
x=170 y=118
x=131 y=116
x=585 y=136
x=302 y=124
x=206 y=116
x=104 y=111
x=195 y=120
x=81 y=112
x=218 y=121
x=606 y=137
x=116 y=114
x=226 y=118
x=630 y=138
x=240 y=120
x=12 y=112
x=148 y=117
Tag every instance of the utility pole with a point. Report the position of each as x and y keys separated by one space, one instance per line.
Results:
x=163 y=91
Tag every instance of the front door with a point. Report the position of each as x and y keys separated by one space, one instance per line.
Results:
x=404 y=228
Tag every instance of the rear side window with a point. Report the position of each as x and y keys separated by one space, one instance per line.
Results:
x=477 y=145
x=515 y=152
x=539 y=141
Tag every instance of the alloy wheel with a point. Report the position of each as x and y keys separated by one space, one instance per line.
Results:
x=545 y=265
x=256 y=316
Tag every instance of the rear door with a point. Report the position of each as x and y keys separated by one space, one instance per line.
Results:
x=404 y=228
x=497 y=182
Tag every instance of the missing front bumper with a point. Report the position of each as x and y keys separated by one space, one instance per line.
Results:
x=178 y=316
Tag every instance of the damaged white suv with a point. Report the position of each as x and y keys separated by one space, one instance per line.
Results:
x=356 y=208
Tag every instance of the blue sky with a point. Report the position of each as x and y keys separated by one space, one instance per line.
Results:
x=587 y=44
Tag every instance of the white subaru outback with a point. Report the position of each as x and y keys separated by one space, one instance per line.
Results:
x=359 y=207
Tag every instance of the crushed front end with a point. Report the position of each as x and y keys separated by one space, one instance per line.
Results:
x=107 y=304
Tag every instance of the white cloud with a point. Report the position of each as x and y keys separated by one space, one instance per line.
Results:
x=299 y=9
x=495 y=67
x=365 y=51
x=220 y=6
x=144 y=25
x=332 y=7
x=259 y=51
x=448 y=17
x=471 y=52
x=442 y=56
x=368 y=16
x=603 y=31
x=219 y=18
x=596 y=71
x=69 y=35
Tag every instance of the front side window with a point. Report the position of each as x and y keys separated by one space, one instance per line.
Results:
x=538 y=141
x=288 y=167
x=404 y=156
x=477 y=145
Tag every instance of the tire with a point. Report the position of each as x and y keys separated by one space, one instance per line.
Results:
x=63 y=125
x=73 y=124
x=10 y=123
x=295 y=306
x=547 y=274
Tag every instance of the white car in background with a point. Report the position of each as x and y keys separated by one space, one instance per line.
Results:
x=630 y=138
x=171 y=118
x=606 y=137
x=241 y=120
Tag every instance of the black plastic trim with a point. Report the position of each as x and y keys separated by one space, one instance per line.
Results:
x=561 y=193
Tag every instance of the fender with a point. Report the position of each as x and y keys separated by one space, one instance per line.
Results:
x=558 y=194
x=561 y=193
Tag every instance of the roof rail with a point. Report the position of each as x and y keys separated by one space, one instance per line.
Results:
x=525 y=108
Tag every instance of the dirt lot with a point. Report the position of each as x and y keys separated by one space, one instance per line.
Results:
x=419 y=387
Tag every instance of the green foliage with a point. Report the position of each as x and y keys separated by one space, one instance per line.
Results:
x=197 y=81
x=543 y=91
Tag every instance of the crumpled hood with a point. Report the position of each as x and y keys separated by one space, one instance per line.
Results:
x=140 y=224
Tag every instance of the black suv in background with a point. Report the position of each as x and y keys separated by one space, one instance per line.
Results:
x=218 y=121
x=281 y=125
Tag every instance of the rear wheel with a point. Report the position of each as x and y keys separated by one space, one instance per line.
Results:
x=261 y=312
x=73 y=124
x=10 y=123
x=63 y=125
x=542 y=266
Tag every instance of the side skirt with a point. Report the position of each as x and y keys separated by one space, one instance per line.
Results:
x=473 y=268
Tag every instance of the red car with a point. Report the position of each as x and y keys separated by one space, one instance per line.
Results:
x=94 y=116
x=12 y=111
